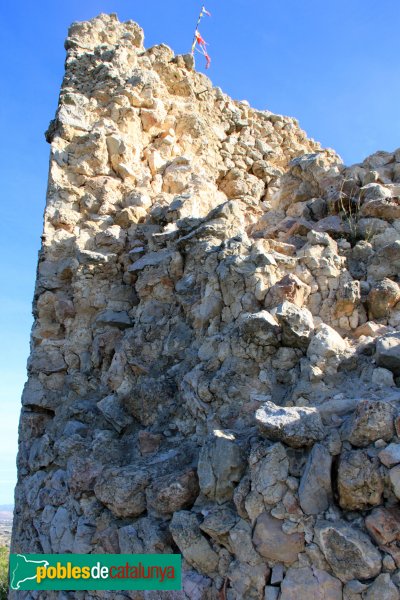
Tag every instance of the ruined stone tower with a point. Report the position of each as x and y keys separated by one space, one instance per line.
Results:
x=215 y=357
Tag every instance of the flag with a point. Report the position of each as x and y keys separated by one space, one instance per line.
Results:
x=199 y=39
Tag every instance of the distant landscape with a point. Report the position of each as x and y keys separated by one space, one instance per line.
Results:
x=6 y=517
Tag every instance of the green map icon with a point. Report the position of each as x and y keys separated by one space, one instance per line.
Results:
x=24 y=569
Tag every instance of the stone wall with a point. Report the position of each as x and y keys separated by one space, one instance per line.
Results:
x=215 y=357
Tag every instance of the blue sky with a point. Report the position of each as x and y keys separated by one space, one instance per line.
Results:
x=334 y=65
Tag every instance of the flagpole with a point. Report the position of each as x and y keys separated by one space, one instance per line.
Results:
x=197 y=26
x=197 y=39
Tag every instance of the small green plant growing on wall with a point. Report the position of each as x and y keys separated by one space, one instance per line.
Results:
x=349 y=210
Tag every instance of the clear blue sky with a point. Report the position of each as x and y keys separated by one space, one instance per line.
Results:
x=334 y=65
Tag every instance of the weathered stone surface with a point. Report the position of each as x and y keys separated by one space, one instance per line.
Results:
x=374 y=191
x=61 y=536
x=326 y=343
x=388 y=353
x=82 y=473
x=217 y=524
x=390 y=455
x=371 y=421
x=113 y=411
x=221 y=465
x=382 y=588
x=371 y=329
x=277 y=574
x=348 y=298
x=383 y=524
x=289 y=288
x=247 y=582
x=260 y=328
x=315 y=491
x=149 y=442
x=349 y=552
x=297 y=426
x=353 y=590
x=147 y=535
x=115 y=318
x=240 y=540
x=122 y=490
x=196 y=586
x=394 y=475
x=382 y=377
x=360 y=484
x=385 y=262
x=196 y=550
x=297 y=325
x=170 y=493
x=387 y=209
x=47 y=359
x=310 y=583
x=382 y=297
x=273 y=543
x=41 y=453
x=271 y=593
x=269 y=471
